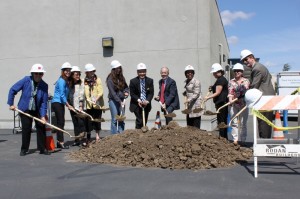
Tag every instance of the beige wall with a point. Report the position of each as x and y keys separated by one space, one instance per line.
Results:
x=174 y=33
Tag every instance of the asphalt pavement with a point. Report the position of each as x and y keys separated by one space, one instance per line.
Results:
x=55 y=176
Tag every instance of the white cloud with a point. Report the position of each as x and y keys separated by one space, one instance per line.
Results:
x=229 y=17
x=232 y=40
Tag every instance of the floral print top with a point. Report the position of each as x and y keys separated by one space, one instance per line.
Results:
x=238 y=90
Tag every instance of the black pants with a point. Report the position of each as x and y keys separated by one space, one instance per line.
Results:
x=265 y=130
x=78 y=124
x=96 y=114
x=193 y=121
x=59 y=110
x=27 y=129
x=139 y=117
x=222 y=117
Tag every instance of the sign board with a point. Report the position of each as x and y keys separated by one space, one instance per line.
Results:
x=288 y=82
x=277 y=150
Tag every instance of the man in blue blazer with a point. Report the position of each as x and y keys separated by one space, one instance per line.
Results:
x=168 y=94
x=140 y=99
x=33 y=101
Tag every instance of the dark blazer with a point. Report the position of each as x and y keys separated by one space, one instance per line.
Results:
x=171 y=93
x=261 y=79
x=135 y=93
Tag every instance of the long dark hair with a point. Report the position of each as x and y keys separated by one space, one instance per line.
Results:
x=117 y=79
x=72 y=81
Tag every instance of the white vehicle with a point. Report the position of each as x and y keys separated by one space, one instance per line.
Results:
x=288 y=82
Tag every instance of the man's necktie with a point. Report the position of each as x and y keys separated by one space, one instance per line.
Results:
x=162 y=92
x=143 y=94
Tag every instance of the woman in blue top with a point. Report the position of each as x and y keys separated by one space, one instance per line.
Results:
x=59 y=102
x=33 y=101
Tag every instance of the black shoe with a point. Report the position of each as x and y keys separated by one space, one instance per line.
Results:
x=45 y=152
x=76 y=144
x=22 y=153
x=61 y=146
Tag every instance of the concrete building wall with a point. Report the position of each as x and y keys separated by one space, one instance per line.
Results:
x=171 y=33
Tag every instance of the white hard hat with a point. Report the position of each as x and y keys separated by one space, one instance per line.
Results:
x=245 y=53
x=75 y=69
x=141 y=66
x=37 y=68
x=216 y=67
x=89 y=67
x=252 y=96
x=66 y=65
x=115 y=64
x=189 y=67
x=238 y=66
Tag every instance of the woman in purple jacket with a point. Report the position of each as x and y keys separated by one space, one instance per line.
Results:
x=34 y=102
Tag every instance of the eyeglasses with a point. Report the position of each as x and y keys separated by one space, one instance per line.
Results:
x=236 y=71
x=38 y=73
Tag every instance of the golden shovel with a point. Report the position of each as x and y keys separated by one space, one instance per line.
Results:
x=186 y=110
x=91 y=118
x=218 y=111
x=167 y=114
x=81 y=135
x=121 y=117
x=103 y=108
x=144 y=128
x=222 y=125
x=202 y=107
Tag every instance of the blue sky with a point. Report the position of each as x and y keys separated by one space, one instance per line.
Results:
x=268 y=28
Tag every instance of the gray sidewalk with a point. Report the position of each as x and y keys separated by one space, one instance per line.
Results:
x=55 y=176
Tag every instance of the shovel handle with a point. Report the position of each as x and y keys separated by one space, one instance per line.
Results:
x=46 y=123
x=143 y=112
x=85 y=113
x=226 y=104
x=236 y=115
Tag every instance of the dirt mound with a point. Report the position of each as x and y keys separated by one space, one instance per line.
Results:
x=171 y=147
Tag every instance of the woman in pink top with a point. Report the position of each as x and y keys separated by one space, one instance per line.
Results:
x=237 y=88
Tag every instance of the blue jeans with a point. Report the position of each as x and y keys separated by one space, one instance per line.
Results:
x=115 y=109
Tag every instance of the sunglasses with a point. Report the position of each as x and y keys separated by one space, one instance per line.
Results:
x=38 y=73
x=236 y=71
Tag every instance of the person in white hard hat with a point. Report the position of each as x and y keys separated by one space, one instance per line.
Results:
x=118 y=91
x=236 y=90
x=141 y=92
x=76 y=100
x=260 y=79
x=93 y=91
x=219 y=96
x=60 y=100
x=193 y=94
x=33 y=101
x=168 y=94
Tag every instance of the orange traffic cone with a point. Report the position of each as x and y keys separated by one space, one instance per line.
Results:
x=50 y=146
x=278 y=134
x=157 y=120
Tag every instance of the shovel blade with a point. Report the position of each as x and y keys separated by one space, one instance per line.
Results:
x=145 y=129
x=209 y=113
x=79 y=115
x=104 y=108
x=197 y=110
x=222 y=125
x=186 y=111
x=170 y=115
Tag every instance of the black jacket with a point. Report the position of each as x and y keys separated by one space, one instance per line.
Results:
x=171 y=93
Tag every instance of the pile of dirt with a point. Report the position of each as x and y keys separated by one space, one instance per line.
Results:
x=171 y=147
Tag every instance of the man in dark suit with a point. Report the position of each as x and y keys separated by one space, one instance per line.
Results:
x=260 y=79
x=141 y=92
x=168 y=94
